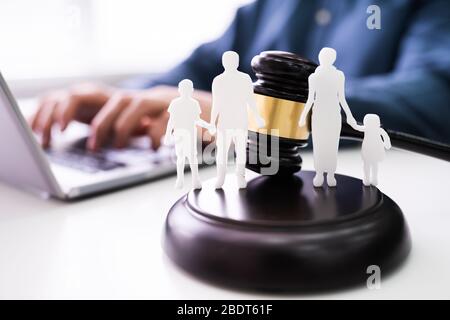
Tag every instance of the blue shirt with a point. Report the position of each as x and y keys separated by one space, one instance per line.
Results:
x=401 y=71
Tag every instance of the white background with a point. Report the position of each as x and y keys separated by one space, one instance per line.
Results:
x=81 y=38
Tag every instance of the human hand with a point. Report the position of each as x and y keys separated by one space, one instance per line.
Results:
x=109 y=111
x=78 y=103
x=129 y=113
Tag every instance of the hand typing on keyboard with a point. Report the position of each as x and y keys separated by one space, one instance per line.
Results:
x=111 y=112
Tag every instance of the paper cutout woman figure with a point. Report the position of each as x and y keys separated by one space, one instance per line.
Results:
x=326 y=97
x=376 y=140
x=181 y=128
x=232 y=93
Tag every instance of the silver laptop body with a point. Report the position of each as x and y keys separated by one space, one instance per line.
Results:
x=66 y=171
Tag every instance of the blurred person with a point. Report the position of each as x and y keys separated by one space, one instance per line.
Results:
x=400 y=72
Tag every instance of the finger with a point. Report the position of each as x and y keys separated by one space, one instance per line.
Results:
x=34 y=121
x=67 y=109
x=157 y=130
x=45 y=122
x=143 y=126
x=81 y=104
x=103 y=122
x=129 y=121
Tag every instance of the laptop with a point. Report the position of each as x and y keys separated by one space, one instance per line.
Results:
x=68 y=170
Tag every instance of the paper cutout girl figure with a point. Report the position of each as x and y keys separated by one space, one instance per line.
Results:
x=184 y=117
x=326 y=97
x=232 y=93
x=376 y=140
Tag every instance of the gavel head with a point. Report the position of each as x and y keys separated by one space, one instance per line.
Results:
x=281 y=92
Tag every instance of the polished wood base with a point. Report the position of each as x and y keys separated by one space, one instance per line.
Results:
x=282 y=234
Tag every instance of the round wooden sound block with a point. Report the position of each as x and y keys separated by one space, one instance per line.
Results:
x=282 y=234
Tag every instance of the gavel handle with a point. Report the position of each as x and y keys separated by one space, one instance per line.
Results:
x=405 y=141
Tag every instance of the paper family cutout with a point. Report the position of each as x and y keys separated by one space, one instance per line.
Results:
x=326 y=97
x=376 y=140
x=232 y=96
x=182 y=129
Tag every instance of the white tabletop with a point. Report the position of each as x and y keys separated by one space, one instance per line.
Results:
x=110 y=246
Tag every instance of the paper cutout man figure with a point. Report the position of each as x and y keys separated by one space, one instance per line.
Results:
x=326 y=97
x=184 y=117
x=232 y=93
x=376 y=140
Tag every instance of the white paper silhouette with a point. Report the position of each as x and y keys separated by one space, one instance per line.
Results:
x=376 y=140
x=232 y=93
x=326 y=97
x=184 y=117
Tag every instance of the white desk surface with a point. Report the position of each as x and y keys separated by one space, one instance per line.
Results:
x=109 y=247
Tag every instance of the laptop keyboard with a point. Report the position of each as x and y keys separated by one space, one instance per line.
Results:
x=84 y=161
x=77 y=157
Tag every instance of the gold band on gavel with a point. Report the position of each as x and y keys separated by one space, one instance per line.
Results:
x=280 y=116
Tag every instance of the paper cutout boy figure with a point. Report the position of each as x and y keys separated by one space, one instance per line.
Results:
x=326 y=97
x=232 y=94
x=182 y=128
x=376 y=140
